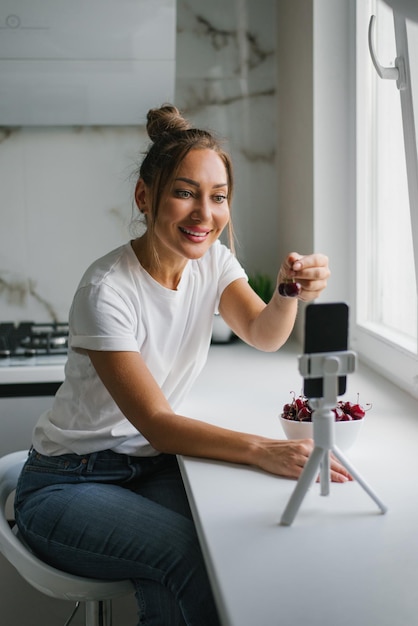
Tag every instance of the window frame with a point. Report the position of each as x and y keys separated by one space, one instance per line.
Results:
x=398 y=363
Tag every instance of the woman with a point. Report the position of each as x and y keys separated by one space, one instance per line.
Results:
x=101 y=493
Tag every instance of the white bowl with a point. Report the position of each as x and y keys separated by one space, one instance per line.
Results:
x=345 y=433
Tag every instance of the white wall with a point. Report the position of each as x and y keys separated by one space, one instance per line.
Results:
x=316 y=206
x=66 y=195
x=64 y=200
x=334 y=140
x=295 y=125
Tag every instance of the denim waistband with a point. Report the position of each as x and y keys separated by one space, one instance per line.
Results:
x=92 y=459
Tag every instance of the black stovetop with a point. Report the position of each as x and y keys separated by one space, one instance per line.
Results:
x=28 y=339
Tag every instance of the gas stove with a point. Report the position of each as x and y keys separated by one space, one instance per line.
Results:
x=32 y=357
x=29 y=339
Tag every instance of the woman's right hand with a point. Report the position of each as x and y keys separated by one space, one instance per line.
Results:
x=289 y=457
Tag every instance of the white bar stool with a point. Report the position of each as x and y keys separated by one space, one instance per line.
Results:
x=97 y=595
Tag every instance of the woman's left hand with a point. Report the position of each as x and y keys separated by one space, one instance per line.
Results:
x=310 y=271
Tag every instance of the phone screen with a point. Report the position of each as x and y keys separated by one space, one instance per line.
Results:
x=326 y=330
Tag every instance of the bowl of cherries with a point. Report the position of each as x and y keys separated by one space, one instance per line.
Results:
x=296 y=420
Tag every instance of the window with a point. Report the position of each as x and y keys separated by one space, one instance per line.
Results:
x=385 y=333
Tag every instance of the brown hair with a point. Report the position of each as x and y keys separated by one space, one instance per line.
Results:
x=172 y=138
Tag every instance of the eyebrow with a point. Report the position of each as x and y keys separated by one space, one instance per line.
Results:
x=196 y=184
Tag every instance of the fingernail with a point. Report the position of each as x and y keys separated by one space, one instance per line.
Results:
x=297 y=265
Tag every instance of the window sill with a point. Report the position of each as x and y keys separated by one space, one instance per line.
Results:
x=394 y=363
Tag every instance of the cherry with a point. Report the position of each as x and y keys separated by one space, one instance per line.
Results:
x=346 y=406
x=305 y=414
x=300 y=403
x=357 y=412
x=340 y=416
x=289 y=411
x=289 y=289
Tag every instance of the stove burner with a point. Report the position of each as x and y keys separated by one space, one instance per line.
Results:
x=32 y=339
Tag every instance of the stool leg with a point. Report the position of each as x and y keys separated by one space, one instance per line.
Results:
x=98 y=613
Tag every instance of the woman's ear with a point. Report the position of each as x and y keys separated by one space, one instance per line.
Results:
x=141 y=196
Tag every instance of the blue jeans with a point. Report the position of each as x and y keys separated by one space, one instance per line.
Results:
x=111 y=516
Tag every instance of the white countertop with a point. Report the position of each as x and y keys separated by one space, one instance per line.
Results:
x=35 y=369
x=341 y=562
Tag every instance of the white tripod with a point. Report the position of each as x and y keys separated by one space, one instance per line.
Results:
x=328 y=366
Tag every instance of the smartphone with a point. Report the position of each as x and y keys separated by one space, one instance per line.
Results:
x=326 y=330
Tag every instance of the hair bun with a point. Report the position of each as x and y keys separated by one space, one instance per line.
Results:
x=165 y=120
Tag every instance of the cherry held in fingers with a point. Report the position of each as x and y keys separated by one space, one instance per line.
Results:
x=289 y=289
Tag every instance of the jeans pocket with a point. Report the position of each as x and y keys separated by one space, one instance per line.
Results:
x=42 y=471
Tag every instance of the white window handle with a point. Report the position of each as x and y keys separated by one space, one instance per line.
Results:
x=392 y=73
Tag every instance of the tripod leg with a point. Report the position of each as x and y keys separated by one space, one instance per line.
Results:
x=305 y=479
x=325 y=474
x=337 y=452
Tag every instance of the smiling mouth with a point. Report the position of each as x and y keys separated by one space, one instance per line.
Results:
x=193 y=233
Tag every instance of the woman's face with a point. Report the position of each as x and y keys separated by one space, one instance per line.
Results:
x=194 y=210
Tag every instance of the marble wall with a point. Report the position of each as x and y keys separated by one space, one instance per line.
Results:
x=66 y=193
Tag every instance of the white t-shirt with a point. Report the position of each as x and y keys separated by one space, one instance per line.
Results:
x=119 y=306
